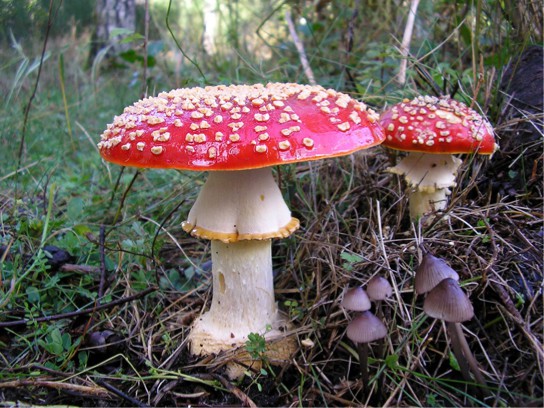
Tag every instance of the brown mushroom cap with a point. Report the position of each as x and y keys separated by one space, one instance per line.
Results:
x=356 y=300
x=239 y=127
x=378 y=288
x=448 y=302
x=437 y=125
x=366 y=328
x=430 y=272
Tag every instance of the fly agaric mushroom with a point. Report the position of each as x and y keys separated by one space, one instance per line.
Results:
x=432 y=130
x=237 y=133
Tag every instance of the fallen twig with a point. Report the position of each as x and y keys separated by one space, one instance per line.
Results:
x=63 y=386
x=60 y=316
x=237 y=392
x=134 y=402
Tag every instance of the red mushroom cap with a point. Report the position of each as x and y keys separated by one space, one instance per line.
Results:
x=437 y=125
x=239 y=127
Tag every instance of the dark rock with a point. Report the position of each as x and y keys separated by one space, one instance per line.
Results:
x=56 y=257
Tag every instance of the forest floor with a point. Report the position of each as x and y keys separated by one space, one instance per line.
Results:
x=99 y=284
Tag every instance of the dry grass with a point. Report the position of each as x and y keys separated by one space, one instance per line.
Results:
x=354 y=225
x=494 y=243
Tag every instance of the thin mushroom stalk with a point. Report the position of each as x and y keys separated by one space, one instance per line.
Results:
x=447 y=302
x=362 y=330
x=464 y=356
x=378 y=289
x=362 y=349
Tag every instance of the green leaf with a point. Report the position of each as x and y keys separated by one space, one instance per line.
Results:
x=453 y=362
x=352 y=258
x=32 y=294
x=128 y=34
x=81 y=229
x=66 y=341
x=391 y=361
x=53 y=343
x=52 y=282
x=83 y=357
x=74 y=209
x=132 y=38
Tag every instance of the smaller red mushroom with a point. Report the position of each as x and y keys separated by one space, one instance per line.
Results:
x=432 y=130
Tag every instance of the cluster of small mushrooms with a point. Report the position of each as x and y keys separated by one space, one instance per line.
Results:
x=446 y=301
x=366 y=327
x=237 y=133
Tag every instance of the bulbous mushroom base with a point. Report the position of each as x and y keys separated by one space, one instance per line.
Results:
x=207 y=337
x=278 y=350
x=243 y=302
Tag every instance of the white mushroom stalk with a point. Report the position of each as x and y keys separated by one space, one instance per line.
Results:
x=243 y=298
x=431 y=176
x=239 y=211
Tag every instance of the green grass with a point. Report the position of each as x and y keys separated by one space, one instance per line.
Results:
x=122 y=228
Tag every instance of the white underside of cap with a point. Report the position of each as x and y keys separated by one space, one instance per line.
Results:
x=428 y=172
x=236 y=205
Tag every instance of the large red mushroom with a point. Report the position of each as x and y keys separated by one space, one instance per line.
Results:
x=237 y=133
x=432 y=130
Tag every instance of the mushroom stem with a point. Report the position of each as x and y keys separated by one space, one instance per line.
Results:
x=239 y=211
x=380 y=348
x=243 y=297
x=431 y=175
x=424 y=202
x=457 y=350
x=362 y=348
x=464 y=356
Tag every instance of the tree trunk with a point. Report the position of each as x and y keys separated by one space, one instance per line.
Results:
x=112 y=14
x=211 y=26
